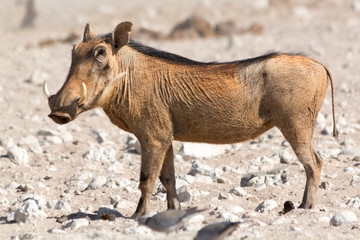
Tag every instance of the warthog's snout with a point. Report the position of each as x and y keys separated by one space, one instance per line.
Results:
x=60 y=117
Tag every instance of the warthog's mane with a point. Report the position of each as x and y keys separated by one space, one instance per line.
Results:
x=177 y=59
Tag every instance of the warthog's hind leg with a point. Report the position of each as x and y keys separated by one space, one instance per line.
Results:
x=167 y=178
x=301 y=142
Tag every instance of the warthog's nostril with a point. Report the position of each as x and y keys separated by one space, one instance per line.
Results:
x=60 y=118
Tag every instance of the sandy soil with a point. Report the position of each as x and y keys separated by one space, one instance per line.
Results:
x=326 y=30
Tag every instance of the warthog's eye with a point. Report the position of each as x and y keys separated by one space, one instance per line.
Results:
x=100 y=55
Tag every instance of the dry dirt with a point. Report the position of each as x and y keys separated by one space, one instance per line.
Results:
x=326 y=30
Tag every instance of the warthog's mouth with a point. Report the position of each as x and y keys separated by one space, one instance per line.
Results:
x=60 y=117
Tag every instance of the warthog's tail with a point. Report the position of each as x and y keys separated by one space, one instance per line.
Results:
x=335 y=131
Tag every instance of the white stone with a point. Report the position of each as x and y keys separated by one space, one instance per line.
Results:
x=29 y=212
x=285 y=157
x=202 y=169
x=227 y=216
x=31 y=143
x=239 y=191
x=96 y=183
x=352 y=170
x=203 y=150
x=343 y=217
x=235 y=209
x=75 y=223
x=101 y=154
x=6 y=142
x=259 y=164
x=354 y=202
x=18 y=155
x=63 y=206
x=266 y=206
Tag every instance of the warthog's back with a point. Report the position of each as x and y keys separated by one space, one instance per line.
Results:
x=232 y=102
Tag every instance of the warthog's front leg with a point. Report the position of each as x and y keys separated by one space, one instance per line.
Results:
x=152 y=159
x=167 y=178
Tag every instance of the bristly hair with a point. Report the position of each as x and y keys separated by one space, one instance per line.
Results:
x=177 y=59
x=152 y=52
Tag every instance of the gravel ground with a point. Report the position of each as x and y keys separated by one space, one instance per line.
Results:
x=89 y=166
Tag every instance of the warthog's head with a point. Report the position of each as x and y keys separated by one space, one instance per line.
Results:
x=95 y=66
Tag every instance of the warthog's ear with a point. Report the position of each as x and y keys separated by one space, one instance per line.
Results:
x=121 y=35
x=88 y=33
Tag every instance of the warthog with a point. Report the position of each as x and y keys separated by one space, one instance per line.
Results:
x=161 y=97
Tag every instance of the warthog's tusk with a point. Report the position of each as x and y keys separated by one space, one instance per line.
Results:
x=83 y=95
x=45 y=90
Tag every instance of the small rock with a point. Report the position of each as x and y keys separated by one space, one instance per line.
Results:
x=285 y=157
x=259 y=164
x=56 y=230
x=133 y=144
x=96 y=183
x=18 y=155
x=354 y=202
x=63 y=206
x=239 y=191
x=31 y=143
x=223 y=196
x=234 y=209
x=6 y=142
x=184 y=194
x=202 y=169
x=266 y=206
x=325 y=185
x=229 y=217
x=30 y=211
x=343 y=217
x=101 y=154
x=355 y=181
x=75 y=223
x=105 y=210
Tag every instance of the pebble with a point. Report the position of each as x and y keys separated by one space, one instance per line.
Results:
x=96 y=183
x=6 y=142
x=18 y=155
x=106 y=210
x=58 y=205
x=235 y=209
x=29 y=211
x=229 y=217
x=285 y=157
x=343 y=217
x=30 y=142
x=75 y=223
x=259 y=164
x=101 y=154
x=354 y=202
x=202 y=169
x=184 y=194
x=239 y=191
x=266 y=206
